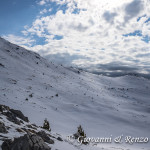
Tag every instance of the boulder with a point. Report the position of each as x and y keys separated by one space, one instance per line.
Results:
x=6 y=144
x=59 y=139
x=45 y=137
x=2 y=128
x=19 y=114
x=12 y=114
x=1 y=65
x=11 y=117
x=3 y=108
x=26 y=142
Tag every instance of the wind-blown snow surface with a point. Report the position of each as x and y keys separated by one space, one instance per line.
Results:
x=104 y=106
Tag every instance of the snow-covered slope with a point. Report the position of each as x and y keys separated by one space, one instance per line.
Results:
x=104 y=106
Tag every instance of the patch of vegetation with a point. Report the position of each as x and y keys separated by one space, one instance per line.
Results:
x=80 y=135
x=46 y=125
x=31 y=95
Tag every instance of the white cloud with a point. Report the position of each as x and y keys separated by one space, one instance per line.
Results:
x=42 y=2
x=43 y=11
x=94 y=34
x=109 y=17
x=133 y=9
x=25 y=42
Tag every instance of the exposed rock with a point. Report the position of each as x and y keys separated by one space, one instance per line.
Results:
x=1 y=65
x=29 y=126
x=37 y=57
x=6 y=144
x=32 y=140
x=3 y=108
x=11 y=117
x=19 y=114
x=45 y=137
x=7 y=50
x=12 y=81
x=13 y=114
x=3 y=138
x=34 y=125
x=21 y=122
x=29 y=131
x=19 y=130
x=26 y=142
x=59 y=139
x=2 y=128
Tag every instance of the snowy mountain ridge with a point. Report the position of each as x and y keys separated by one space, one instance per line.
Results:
x=104 y=106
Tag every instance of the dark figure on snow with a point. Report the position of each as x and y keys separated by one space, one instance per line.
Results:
x=46 y=125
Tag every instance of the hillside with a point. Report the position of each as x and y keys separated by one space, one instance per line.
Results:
x=104 y=106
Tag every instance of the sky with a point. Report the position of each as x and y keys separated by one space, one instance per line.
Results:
x=110 y=37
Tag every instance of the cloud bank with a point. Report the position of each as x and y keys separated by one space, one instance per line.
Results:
x=93 y=33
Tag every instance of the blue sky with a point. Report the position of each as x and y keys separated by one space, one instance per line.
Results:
x=15 y=14
x=82 y=33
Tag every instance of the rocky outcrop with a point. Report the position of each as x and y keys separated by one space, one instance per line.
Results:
x=4 y=108
x=13 y=115
x=59 y=139
x=1 y=65
x=19 y=114
x=45 y=137
x=34 y=139
x=27 y=142
x=2 y=128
